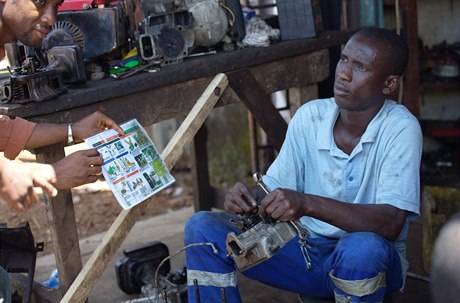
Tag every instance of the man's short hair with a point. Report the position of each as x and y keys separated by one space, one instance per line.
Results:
x=396 y=51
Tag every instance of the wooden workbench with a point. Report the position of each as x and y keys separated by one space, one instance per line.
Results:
x=253 y=73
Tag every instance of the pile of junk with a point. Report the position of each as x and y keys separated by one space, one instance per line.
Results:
x=96 y=39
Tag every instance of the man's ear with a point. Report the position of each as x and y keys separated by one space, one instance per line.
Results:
x=391 y=83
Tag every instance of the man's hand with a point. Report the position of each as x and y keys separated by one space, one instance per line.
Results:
x=93 y=124
x=79 y=168
x=239 y=199
x=17 y=182
x=282 y=205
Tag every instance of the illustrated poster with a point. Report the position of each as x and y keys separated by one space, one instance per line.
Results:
x=132 y=167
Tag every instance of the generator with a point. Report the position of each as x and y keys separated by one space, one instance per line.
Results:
x=98 y=32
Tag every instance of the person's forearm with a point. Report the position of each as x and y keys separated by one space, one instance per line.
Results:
x=383 y=219
x=46 y=134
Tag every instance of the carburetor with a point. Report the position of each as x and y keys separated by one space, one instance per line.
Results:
x=261 y=239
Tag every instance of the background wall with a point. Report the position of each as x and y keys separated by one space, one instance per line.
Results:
x=438 y=21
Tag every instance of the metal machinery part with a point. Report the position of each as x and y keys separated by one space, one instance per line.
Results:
x=165 y=37
x=23 y=88
x=97 y=32
x=137 y=273
x=210 y=22
x=260 y=240
x=68 y=61
x=81 y=36
x=27 y=81
x=259 y=243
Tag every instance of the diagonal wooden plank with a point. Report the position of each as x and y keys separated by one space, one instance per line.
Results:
x=92 y=270
x=259 y=104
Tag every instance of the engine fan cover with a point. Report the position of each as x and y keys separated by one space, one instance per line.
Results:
x=210 y=23
x=64 y=33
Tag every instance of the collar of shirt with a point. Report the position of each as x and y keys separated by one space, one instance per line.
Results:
x=325 y=138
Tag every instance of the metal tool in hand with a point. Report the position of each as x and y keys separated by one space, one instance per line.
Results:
x=301 y=231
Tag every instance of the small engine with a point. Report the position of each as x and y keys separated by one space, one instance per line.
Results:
x=97 y=32
x=172 y=30
x=260 y=239
x=165 y=35
x=260 y=242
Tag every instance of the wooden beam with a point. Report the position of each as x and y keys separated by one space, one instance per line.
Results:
x=202 y=191
x=412 y=78
x=259 y=104
x=62 y=224
x=120 y=228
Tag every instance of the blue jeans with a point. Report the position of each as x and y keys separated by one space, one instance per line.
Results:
x=354 y=257
x=5 y=291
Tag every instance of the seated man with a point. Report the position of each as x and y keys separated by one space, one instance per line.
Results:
x=349 y=171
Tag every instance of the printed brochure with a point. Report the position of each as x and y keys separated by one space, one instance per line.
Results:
x=132 y=167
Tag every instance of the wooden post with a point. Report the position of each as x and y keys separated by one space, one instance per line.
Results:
x=259 y=104
x=61 y=218
x=86 y=280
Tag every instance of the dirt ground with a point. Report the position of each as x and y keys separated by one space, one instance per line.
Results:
x=96 y=208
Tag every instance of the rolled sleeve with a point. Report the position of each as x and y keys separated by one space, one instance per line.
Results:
x=14 y=135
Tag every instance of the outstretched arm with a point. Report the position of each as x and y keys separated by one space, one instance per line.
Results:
x=48 y=133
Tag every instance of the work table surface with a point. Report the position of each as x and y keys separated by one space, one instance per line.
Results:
x=95 y=91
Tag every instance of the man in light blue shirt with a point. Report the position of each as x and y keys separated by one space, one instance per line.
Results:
x=349 y=171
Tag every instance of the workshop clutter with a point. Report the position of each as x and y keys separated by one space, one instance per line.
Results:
x=95 y=39
x=91 y=38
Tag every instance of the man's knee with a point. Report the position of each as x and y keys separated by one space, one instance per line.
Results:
x=361 y=265
x=207 y=224
x=196 y=224
x=364 y=251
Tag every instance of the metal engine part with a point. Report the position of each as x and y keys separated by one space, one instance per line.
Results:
x=68 y=61
x=28 y=82
x=23 y=88
x=146 y=269
x=261 y=239
x=258 y=243
x=165 y=37
x=210 y=23
x=97 y=32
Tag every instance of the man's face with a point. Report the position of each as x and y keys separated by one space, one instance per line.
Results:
x=28 y=20
x=360 y=75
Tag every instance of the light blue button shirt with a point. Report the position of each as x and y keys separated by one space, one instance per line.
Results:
x=384 y=168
